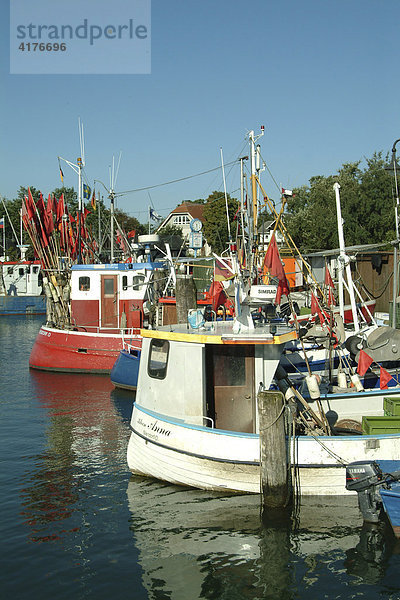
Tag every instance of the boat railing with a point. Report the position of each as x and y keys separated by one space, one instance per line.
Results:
x=132 y=348
x=210 y=419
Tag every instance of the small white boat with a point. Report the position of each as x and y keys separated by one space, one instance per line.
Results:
x=195 y=419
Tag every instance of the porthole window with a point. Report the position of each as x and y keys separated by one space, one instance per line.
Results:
x=84 y=284
x=158 y=359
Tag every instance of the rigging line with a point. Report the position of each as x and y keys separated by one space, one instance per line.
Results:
x=269 y=171
x=278 y=187
x=140 y=212
x=228 y=163
x=150 y=187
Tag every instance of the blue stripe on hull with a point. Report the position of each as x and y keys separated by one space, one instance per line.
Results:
x=22 y=305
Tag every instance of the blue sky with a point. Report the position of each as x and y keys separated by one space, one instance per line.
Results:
x=319 y=75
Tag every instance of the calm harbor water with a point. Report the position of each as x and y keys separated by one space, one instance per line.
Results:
x=75 y=524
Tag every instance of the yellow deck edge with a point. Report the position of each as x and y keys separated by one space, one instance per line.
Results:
x=198 y=338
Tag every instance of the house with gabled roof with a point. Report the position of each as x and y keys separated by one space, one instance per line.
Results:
x=181 y=217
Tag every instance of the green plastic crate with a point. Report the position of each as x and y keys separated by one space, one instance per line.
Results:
x=379 y=425
x=391 y=406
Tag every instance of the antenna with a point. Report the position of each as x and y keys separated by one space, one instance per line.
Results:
x=81 y=141
x=226 y=197
x=116 y=174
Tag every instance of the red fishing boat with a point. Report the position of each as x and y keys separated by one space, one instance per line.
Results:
x=90 y=317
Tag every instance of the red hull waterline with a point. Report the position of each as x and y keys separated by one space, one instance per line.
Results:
x=76 y=351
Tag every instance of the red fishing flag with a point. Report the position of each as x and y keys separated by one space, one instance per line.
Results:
x=316 y=309
x=384 y=379
x=31 y=207
x=330 y=285
x=364 y=362
x=314 y=304
x=131 y=234
x=223 y=270
x=60 y=209
x=273 y=264
x=40 y=206
x=48 y=215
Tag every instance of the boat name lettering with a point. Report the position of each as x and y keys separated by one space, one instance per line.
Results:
x=46 y=333
x=154 y=426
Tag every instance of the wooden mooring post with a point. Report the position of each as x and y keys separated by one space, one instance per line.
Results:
x=274 y=478
x=186 y=296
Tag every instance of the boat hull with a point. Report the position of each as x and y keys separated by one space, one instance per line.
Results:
x=75 y=351
x=391 y=504
x=22 y=305
x=213 y=459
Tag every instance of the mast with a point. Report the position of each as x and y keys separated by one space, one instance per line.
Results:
x=253 y=159
x=80 y=167
x=245 y=248
x=395 y=249
x=345 y=262
x=112 y=196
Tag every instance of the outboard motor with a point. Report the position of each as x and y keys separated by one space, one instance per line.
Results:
x=366 y=478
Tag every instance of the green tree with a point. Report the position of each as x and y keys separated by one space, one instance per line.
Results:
x=215 y=226
x=366 y=205
x=128 y=223
x=172 y=235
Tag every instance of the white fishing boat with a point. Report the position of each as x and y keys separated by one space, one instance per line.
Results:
x=195 y=419
x=196 y=422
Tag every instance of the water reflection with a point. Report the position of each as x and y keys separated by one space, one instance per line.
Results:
x=85 y=439
x=194 y=544
x=123 y=401
x=369 y=559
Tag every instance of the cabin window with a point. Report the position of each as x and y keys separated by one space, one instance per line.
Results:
x=108 y=286
x=158 y=359
x=84 y=284
x=35 y=270
x=10 y=271
x=229 y=368
x=137 y=282
x=124 y=282
x=21 y=271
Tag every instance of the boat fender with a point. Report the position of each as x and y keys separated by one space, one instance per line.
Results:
x=46 y=287
x=355 y=380
x=66 y=293
x=53 y=292
x=313 y=387
x=289 y=394
x=342 y=381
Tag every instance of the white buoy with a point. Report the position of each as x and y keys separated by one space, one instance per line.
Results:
x=355 y=380
x=289 y=394
x=342 y=381
x=313 y=387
